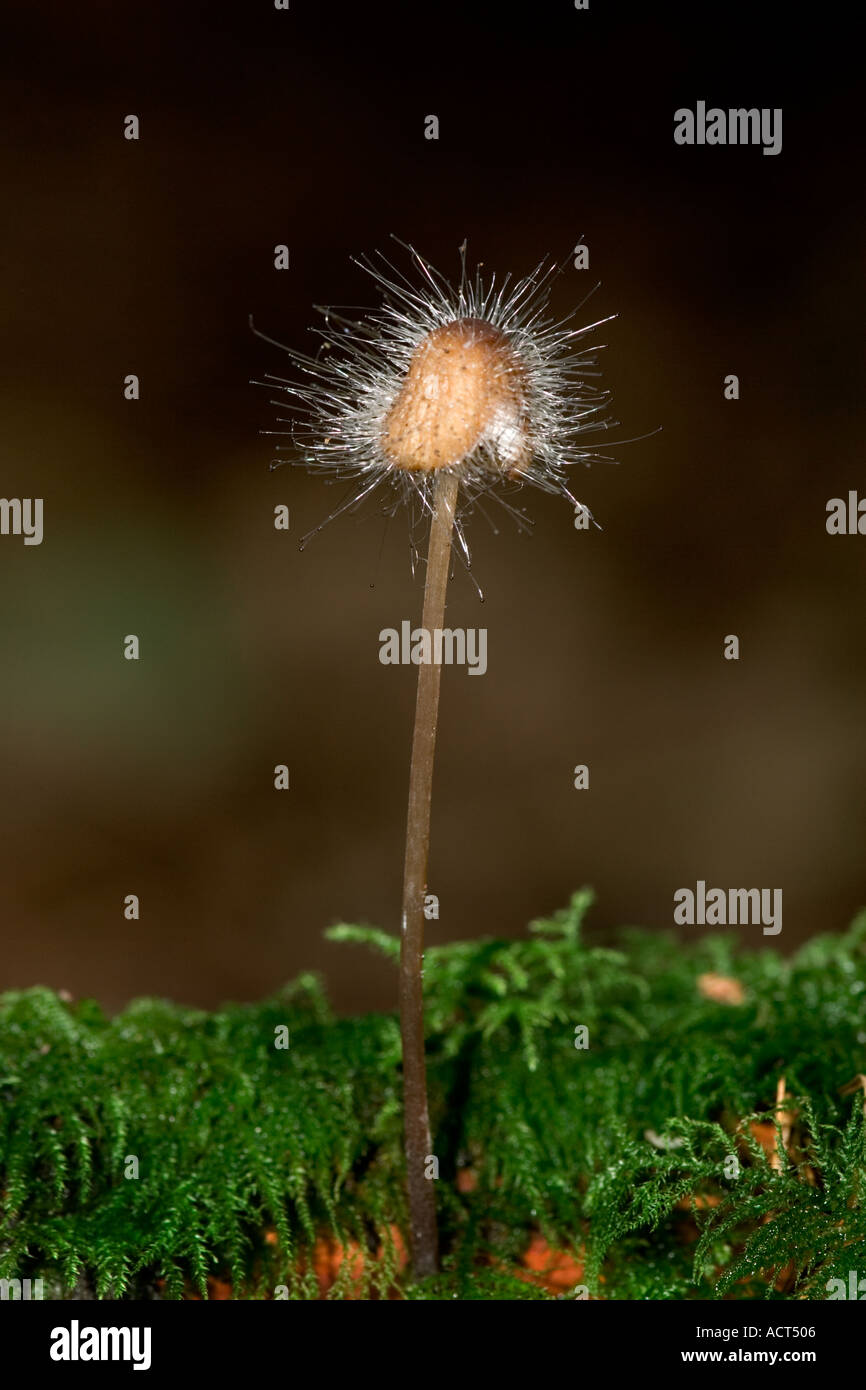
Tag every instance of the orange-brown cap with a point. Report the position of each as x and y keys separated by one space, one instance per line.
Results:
x=464 y=393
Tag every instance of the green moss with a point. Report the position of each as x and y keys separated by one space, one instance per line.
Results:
x=246 y=1153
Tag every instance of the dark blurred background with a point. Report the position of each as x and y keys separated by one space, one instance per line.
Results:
x=261 y=127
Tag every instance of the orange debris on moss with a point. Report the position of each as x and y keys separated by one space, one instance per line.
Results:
x=329 y=1255
x=722 y=989
x=553 y=1270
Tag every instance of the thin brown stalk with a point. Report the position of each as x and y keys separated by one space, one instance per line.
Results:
x=422 y=1198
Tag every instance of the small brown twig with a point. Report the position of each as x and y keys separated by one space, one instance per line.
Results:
x=858 y=1083
x=786 y=1119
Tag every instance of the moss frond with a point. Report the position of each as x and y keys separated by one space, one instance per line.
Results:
x=596 y=1100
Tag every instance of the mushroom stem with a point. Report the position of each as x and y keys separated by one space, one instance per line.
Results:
x=422 y=1200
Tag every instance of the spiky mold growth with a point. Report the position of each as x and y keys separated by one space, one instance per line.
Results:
x=479 y=379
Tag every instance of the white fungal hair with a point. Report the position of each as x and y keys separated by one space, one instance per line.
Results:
x=345 y=395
